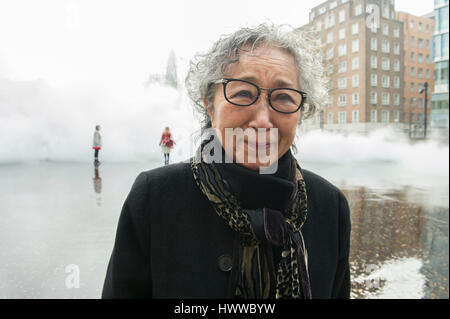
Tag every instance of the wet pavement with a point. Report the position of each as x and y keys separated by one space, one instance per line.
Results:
x=59 y=220
x=388 y=229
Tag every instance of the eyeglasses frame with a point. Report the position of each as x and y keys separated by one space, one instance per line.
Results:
x=225 y=81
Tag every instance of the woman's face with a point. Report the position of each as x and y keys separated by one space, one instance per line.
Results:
x=268 y=67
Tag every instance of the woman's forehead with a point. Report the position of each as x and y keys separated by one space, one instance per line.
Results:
x=265 y=60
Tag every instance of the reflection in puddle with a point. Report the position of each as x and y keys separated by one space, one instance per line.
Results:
x=399 y=248
x=97 y=183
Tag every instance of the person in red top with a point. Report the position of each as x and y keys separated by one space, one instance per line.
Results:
x=97 y=143
x=167 y=144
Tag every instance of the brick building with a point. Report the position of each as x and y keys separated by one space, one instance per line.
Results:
x=362 y=43
x=418 y=69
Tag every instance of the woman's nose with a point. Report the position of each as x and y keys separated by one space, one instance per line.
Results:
x=262 y=113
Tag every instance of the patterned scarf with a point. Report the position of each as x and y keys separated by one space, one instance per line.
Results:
x=253 y=273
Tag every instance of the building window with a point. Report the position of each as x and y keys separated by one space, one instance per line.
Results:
x=341 y=16
x=396 y=48
x=385 y=12
x=355 y=80
x=385 y=29
x=396 y=82
x=412 y=101
x=329 y=20
x=413 y=41
x=427 y=59
x=342 y=117
x=385 y=64
x=396 y=116
x=330 y=53
x=319 y=26
x=420 y=58
x=373 y=97
x=385 y=81
x=428 y=73
x=373 y=44
x=420 y=43
x=355 y=27
x=355 y=45
x=420 y=73
x=330 y=69
x=419 y=118
x=412 y=56
x=419 y=87
x=419 y=103
x=412 y=87
x=427 y=28
x=330 y=101
x=355 y=63
x=373 y=27
x=385 y=98
x=396 y=99
x=355 y=98
x=385 y=46
x=342 y=67
x=358 y=9
x=329 y=37
x=373 y=79
x=385 y=116
x=427 y=44
x=411 y=118
x=420 y=26
x=330 y=85
x=373 y=62
x=355 y=116
x=396 y=65
x=373 y=116
x=342 y=34
x=342 y=100
x=342 y=83
x=413 y=72
x=333 y=5
x=342 y=49
x=330 y=118
x=396 y=32
x=411 y=24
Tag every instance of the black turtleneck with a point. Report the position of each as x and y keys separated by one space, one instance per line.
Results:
x=255 y=190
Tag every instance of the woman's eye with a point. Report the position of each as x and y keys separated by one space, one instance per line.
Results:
x=284 y=97
x=244 y=94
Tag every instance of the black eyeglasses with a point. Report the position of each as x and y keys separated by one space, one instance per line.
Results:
x=246 y=93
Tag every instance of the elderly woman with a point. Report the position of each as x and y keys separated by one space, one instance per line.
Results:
x=219 y=226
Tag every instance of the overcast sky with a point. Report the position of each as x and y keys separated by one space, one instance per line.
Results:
x=115 y=42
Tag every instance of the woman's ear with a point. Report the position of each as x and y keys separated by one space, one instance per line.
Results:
x=210 y=111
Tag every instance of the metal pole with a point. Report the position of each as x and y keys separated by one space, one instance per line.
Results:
x=426 y=109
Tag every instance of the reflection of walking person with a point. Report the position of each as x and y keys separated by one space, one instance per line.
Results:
x=97 y=144
x=97 y=180
x=167 y=144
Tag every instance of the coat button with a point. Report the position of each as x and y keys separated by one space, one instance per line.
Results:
x=225 y=262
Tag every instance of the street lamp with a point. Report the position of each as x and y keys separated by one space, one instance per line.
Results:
x=425 y=89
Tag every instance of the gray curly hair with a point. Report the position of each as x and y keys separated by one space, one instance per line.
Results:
x=211 y=66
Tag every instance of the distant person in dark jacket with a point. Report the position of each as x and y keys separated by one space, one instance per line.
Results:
x=166 y=144
x=241 y=219
x=97 y=143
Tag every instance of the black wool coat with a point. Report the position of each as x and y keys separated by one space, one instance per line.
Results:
x=170 y=243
